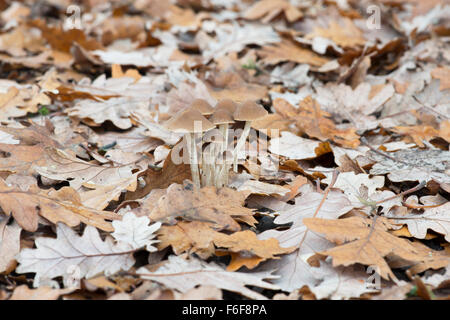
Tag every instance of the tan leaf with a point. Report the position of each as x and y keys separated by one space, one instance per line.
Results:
x=345 y=36
x=436 y=219
x=9 y=245
x=183 y=275
x=288 y=51
x=443 y=74
x=318 y=124
x=417 y=133
x=269 y=9
x=42 y=293
x=161 y=179
x=216 y=206
x=63 y=205
x=198 y=237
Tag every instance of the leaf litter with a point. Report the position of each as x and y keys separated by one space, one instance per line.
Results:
x=341 y=167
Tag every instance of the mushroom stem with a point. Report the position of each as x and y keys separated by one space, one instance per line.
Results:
x=192 y=150
x=223 y=170
x=241 y=143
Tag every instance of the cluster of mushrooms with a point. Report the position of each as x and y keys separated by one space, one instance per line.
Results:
x=211 y=166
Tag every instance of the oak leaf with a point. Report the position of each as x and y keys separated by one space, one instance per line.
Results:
x=269 y=9
x=9 y=244
x=63 y=205
x=183 y=275
x=62 y=165
x=217 y=206
x=289 y=51
x=436 y=219
x=136 y=231
x=294 y=269
x=364 y=243
x=198 y=237
x=89 y=253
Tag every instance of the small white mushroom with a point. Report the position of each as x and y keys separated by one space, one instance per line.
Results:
x=185 y=122
x=247 y=111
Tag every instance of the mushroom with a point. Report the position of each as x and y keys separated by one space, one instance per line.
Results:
x=202 y=106
x=247 y=111
x=221 y=118
x=184 y=122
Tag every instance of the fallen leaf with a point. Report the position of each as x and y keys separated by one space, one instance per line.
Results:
x=42 y=293
x=289 y=51
x=363 y=243
x=9 y=245
x=89 y=254
x=436 y=219
x=56 y=206
x=208 y=204
x=183 y=275
x=135 y=231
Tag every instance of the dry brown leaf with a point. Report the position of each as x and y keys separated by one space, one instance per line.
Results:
x=443 y=74
x=198 y=237
x=360 y=242
x=63 y=205
x=346 y=36
x=161 y=179
x=208 y=204
x=9 y=245
x=269 y=9
x=417 y=133
x=318 y=124
x=288 y=51
x=42 y=293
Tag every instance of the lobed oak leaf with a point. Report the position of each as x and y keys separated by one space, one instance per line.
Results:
x=136 y=231
x=9 y=244
x=89 y=253
x=61 y=165
x=183 y=275
x=413 y=165
x=269 y=9
x=56 y=206
x=364 y=243
x=436 y=219
x=294 y=269
x=237 y=38
x=217 y=206
x=289 y=51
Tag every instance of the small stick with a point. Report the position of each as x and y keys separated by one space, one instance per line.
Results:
x=414 y=189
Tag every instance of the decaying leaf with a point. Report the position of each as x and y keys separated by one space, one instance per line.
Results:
x=198 y=237
x=413 y=165
x=294 y=268
x=135 y=231
x=9 y=244
x=61 y=165
x=364 y=243
x=436 y=219
x=88 y=254
x=63 y=205
x=216 y=206
x=182 y=274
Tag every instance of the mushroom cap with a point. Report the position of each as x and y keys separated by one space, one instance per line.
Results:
x=188 y=120
x=221 y=116
x=227 y=104
x=249 y=111
x=203 y=106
